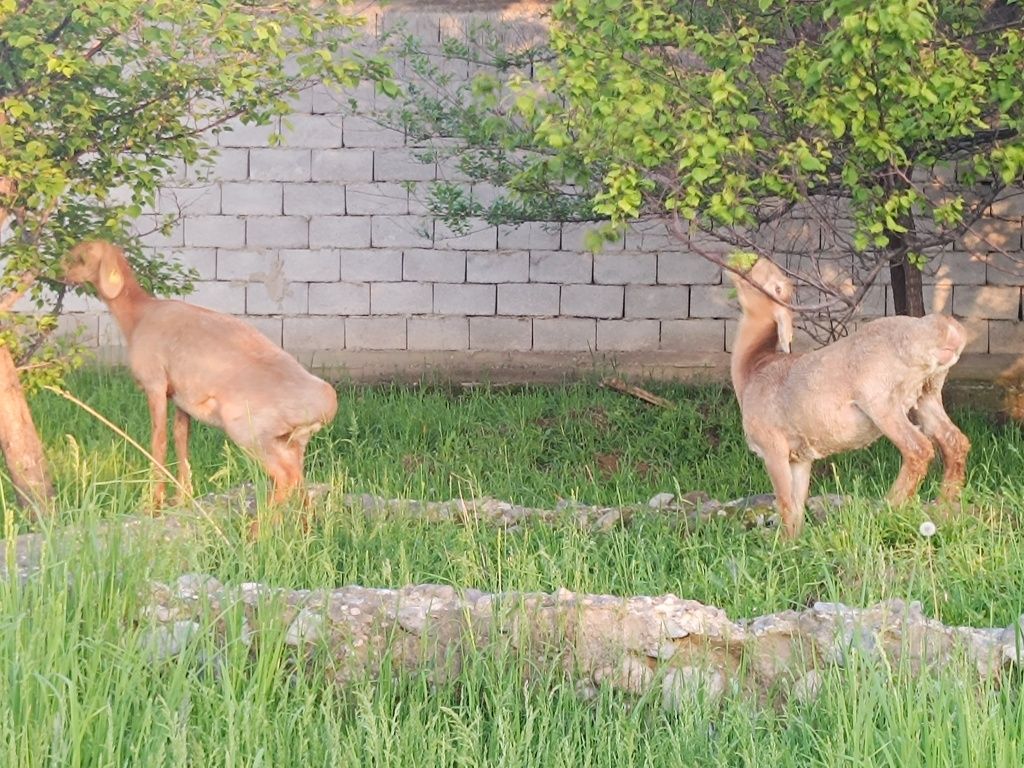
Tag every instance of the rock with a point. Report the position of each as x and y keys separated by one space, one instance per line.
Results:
x=684 y=686
x=165 y=641
x=306 y=627
x=807 y=687
x=819 y=506
x=632 y=644
x=693 y=499
x=608 y=520
x=661 y=500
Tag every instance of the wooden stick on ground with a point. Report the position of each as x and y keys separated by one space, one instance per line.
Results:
x=642 y=394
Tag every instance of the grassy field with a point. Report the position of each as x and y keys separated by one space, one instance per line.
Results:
x=77 y=687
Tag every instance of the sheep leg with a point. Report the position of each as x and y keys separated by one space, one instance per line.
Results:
x=181 y=427
x=914 y=447
x=781 y=474
x=158 y=445
x=801 y=473
x=953 y=444
x=283 y=462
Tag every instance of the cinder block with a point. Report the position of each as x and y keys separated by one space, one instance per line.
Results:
x=500 y=267
x=301 y=102
x=576 y=234
x=604 y=301
x=481 y=235
x=269 y=327
x=564 y=334
x=441 y=333
x=82 y=326
x=375 y=199
x=227 y=165
x=1009 y=204
x=434 y=266
x=652 y=235
x=500 y=333
x=993 y=235
x=364 y=132
x=561 y=267
x=376 y=265
x=401 y=298
x=245 y=265
x=237 y=134
x=219 y=296
x=148 y=227
x=375 y=333
x=401 y=165
x=627 y=335
x=992 y=302
x=794 y=235
x=657 y=301
x=713 y=301
x=450 y=168
x=314 y=131
x=314 y=199
x=214 y=231
x=309 y=265
x=343 y=165
x=1003 y=270
x=1005 y=337
x=251 y=197
x=693 y=335
x=684 y=268
x=202 y=260
x=73 y=302
x=109 y=334
x=314 y=333
x=273 y=296
x=339 y=299
x=532 y=235
x=875 y=302
x=959 y=269
x=280 y=164
x=625 y=268
x=339 y=232
x=328 y=100
x=709 y=242
x=978 y=333
x=401 y=232
x=534 y=299
x=197 y=200
x=463 y=298
x=937 y=298
x=277 y=232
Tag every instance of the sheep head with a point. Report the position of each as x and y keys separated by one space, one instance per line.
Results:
x=97 y=262
x=764 y=290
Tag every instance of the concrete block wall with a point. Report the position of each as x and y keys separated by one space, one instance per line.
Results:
x=323 y=243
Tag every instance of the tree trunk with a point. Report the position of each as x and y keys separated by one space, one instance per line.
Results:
x=907 y=288
x=19 y=440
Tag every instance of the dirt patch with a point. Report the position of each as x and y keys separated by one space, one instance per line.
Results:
x=607 y=463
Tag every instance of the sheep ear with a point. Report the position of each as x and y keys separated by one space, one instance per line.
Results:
x=784 y=325
x=111 y=279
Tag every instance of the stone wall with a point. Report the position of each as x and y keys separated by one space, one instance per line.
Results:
x=324 y=245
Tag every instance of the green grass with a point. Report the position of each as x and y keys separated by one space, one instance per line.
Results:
x=77 y=688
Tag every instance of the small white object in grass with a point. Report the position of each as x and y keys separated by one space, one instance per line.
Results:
x=927 y=529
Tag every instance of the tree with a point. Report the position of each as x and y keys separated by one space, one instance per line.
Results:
x=99 y=99
x=890 y=128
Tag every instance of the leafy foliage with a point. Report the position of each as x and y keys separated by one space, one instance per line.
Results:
x=892 y=126
x=100 y=100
